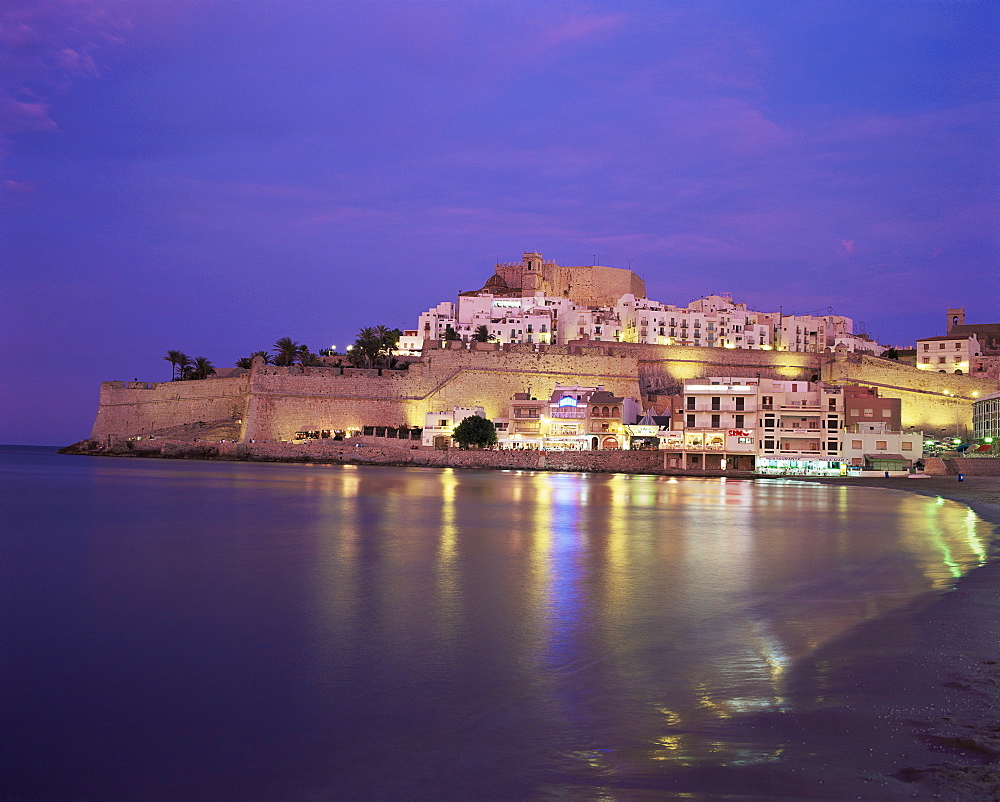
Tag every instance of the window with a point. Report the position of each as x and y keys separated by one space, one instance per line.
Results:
x=941 y=346
x=832 y=404
x=690 y=402
x=831 y=445
x=927 y=359
x=716 y=402
x=855 y=413
x=741 y=403
x=881 y=445
x=942 y=360
x=886 y=413
x=716 y=421
x=740 y=422
x=690 y=421
x=907 y=446
x=958 y=346
x=767 y=401
x=869 y=413
x=856 y=444
x=442 y=423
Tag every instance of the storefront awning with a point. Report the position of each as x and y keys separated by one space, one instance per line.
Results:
x=888 y=457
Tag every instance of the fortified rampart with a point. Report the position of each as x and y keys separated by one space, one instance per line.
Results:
x=931 y=401
x=273 y=403
x=131 y=408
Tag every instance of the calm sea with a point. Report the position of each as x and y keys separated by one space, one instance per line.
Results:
x=196 y=630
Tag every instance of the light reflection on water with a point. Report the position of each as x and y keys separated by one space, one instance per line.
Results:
x=652 y=611
x=506 y=631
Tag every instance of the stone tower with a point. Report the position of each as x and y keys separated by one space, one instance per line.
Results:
x=956 y=317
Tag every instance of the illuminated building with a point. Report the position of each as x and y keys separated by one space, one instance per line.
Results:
x=573 y=417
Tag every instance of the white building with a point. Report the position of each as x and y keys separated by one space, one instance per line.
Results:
x=986 y=423
x=799 y=428
x=716 y=428
x=874 y=447
x=522 y=313
x=952 y=353
x=438 y=426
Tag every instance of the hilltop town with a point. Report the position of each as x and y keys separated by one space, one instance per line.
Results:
x=577 y=359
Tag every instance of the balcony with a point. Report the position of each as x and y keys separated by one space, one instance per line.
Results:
x=570 y=412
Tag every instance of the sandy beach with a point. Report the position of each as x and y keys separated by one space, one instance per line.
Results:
x=918 y=715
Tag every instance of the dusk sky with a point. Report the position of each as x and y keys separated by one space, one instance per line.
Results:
x=212 y=175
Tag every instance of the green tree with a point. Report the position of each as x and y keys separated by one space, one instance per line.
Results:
x=179 y=362
x=891 y=353
x=450 y=334
x=475 y=431
x=247 y=361
x=285 y=351
x=306 y=357
x=201 y=368
x=366 y=349
x=482 y=334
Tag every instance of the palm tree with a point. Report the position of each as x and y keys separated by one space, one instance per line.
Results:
x=184 y=366
x=367 y=347
x=202 y=368
x=306 y=357
x=285 y=350
x=482 y=334
x=450 y=334
x=247 y=361
x=176 y=360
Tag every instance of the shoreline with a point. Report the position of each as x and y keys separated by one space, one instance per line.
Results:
x=915 y=712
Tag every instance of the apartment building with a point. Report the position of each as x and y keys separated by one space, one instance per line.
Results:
x=799 y=427
x=572 y=417
x=715 y=427
x=951 y=353
x=875 y=446
x=438 y=426
x=714 y=321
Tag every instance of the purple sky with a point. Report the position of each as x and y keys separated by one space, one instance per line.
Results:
x=211 y=176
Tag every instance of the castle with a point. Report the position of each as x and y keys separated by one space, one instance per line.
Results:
x=268 y=403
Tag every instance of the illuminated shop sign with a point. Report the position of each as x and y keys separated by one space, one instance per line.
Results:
x=509 y=304
x=739 y=433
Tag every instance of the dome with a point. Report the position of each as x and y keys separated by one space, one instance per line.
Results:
x=496 y=281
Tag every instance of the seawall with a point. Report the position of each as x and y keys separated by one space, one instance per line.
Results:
x=273 y=403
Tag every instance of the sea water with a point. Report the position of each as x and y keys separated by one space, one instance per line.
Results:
x=206 y=630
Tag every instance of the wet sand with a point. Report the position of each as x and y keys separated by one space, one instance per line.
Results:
x=908 y=706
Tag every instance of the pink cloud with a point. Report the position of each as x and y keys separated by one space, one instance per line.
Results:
x=846 y=247
x=18 y=117
x=582 y=27
x=45 y=47
x=21 y=187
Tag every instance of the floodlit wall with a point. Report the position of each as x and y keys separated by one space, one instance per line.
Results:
x=933 y=402
x=274 y=403
x=134 y=408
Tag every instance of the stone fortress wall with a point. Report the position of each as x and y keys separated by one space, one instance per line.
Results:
x=930 y=401
x=126 y=409
x=272 y=403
